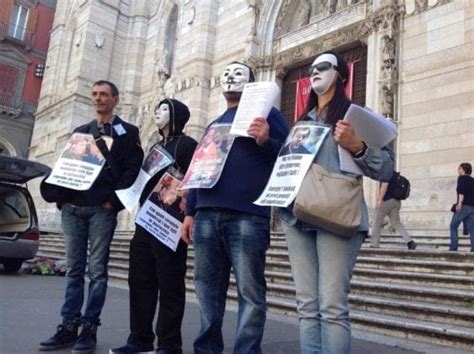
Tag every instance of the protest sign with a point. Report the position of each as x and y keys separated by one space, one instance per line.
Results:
x=294 y=160
x=79 y=164
x=209 y=158
x=159 y=214
x=156 y=160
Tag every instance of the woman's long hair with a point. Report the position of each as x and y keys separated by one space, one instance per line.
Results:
x=339 y=103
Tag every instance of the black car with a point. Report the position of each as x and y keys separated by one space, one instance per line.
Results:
x=19 y=231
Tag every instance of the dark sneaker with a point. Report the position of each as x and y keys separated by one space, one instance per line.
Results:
x=411 y=245
x=87 y=340
x=66 y=336
x=130 y=348
x=163 y=351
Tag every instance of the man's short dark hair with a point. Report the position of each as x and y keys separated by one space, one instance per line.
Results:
x=251 y=75
x=467 y=168
x=113 y=89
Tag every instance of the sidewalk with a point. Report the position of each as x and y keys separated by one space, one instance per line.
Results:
x=29 y=313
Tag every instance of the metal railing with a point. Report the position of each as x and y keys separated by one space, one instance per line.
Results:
x=10 y=30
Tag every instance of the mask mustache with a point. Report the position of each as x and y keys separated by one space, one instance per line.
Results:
x=229 y=80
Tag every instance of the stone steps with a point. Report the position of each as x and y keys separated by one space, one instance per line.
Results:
x=424 y=295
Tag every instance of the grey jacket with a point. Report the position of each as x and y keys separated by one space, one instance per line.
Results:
x=376 y=163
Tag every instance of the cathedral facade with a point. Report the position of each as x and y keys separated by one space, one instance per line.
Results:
x=411 y=61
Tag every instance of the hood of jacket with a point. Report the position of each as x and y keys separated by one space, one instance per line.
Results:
x=179 y=116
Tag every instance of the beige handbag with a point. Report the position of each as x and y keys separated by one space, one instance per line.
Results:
x=330 y=201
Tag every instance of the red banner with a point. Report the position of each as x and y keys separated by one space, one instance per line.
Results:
x=303 y=89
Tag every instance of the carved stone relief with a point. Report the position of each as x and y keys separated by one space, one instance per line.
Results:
x=420 y=6
x=284 y=61
x=306 y=11
x=256 y=6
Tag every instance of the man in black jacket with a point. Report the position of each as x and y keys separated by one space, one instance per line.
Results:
x=155 y=268
x=91 y=216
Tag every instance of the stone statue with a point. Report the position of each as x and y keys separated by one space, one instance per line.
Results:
x=388 y=52
x=386 y=98
x=255 y=5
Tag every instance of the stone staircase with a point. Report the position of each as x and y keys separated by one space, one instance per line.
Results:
x=425 y=295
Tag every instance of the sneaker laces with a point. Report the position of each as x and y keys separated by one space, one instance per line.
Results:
x=62 y=329
x=87 y=332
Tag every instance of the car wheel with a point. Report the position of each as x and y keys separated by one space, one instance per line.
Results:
x=12 y=266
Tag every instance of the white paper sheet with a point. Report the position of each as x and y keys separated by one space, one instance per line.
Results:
x=370 y=127
x=257 y=101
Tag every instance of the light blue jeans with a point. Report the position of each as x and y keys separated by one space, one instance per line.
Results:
x=322 y=265
x=223 y=239
x=96 y=225
x=467 y=215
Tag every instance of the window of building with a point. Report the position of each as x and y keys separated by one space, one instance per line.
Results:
x=18 y=21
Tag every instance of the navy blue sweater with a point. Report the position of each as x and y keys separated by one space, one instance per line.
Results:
x=246 y=171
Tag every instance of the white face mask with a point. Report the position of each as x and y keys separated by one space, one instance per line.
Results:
x=162 y=115
x=323 y=73
x=234 y=78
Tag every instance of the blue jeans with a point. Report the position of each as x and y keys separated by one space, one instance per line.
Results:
x=224 y=239
x=467 y=215
x=80 y=225
x=322 y=265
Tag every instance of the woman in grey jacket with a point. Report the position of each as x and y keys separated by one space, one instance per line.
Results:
x=322 y=261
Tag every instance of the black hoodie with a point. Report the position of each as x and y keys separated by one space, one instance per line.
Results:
x=179 y=145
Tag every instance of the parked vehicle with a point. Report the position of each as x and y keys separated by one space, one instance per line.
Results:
x=19 y=231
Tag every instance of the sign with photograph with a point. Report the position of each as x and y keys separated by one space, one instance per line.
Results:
x=155 y=161
x=79 y=164
x=158 y=215
x=209 y=158
x=294 y=159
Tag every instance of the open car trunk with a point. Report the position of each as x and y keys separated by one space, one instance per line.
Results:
x=15 y=214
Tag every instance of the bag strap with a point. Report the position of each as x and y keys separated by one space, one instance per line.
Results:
x=104 y=149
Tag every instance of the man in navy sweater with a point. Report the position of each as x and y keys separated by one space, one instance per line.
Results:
x=228 y=230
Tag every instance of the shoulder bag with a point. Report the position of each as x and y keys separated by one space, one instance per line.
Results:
x=331 y=201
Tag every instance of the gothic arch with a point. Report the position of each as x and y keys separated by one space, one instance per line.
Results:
x=267 y=26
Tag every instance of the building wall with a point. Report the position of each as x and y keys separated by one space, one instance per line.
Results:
x=18 y=100
x=128 y=43
x=437 y=109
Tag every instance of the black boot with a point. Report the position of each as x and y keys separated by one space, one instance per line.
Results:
x=411 y=245
x=87 y=340
x=66 y=336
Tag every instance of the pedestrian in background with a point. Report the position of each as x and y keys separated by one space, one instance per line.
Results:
x=387 y=204
x=463 y=210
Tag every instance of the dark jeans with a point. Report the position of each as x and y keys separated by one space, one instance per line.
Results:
x=466 y=215
x=155 y=268
x=225 y=239
x=81 y=225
